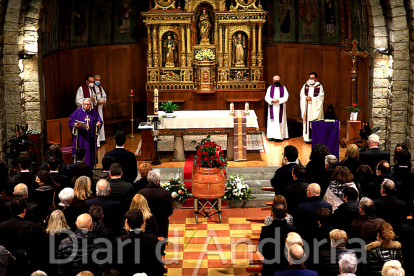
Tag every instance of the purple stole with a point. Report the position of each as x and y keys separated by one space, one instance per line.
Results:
x=315 y=94
x=272 y=93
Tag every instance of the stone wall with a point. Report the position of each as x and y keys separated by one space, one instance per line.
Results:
x=3 y=134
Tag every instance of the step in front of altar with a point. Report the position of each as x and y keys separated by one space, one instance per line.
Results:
x=166 y=143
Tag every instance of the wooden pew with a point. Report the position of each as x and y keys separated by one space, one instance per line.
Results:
x=268 y=189
x=58 y=133
x=256 y=219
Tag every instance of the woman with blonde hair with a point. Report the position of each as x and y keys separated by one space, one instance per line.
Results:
x=351 y=160
x=143 y=171
x=381 y=251
x=150 y=224
x=82 y=192
x=392 y=268
x=278 y=200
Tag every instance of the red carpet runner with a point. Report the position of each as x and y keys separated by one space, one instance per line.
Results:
x=188 y=176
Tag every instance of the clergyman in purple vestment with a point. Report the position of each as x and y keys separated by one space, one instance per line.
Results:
x=85 y=136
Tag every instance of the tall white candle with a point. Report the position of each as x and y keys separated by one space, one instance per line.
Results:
x=156 y=102
x=232 y=107
x=246 y=108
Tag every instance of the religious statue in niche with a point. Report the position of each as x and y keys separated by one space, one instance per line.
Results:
x=125 y=10
x=204 y=27
x=284 y=17
x=239 y=46
x=307 y=11
x=169 y=52
x=330 y=18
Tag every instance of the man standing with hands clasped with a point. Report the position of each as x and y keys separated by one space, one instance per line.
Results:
x=86 y=91
x=311 y=104
x=276 y=96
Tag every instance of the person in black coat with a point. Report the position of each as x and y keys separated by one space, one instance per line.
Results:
x=148 y=261
x=316 y=165
x=61 y=181
x=325 y=178
x=56 y=152
x=21 y=191
x=44 y=195
x=351 y=160
x=25 y=176
x=143 y=170
x=121 y=191
x=347 y=211
x=389 y=208
x=276 y=249
x=111 y=208
x=295 y=193
x=283 y=175
x=9 y=230
x=99 y=228
x=159 y=202
x=372 y=156
x=364 y=176
x=405 y=175
x=125 y=158
x=383 y=172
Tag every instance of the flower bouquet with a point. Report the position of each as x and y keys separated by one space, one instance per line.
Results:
x=209 y=155
x=205 y=54
x=177 y=189
x=236 y=189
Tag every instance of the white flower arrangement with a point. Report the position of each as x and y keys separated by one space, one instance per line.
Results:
x=177 y=189
x=236 y=189
x=203 y=54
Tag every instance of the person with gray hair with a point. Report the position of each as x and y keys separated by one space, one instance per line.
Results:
x=103 y=188
x=348 y=264
x=38 y=273
x=276 y=97
x=373 y=155
x=20 y=190
x=159 y=202
x=66 y=196
x=330 y=162
x=296 y=258
x=100 y=97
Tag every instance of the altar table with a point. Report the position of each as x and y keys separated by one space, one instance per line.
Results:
x=199 y=119
x=326 y=133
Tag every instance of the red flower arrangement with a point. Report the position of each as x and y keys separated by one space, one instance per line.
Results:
x=209 y=155
x=353 y=108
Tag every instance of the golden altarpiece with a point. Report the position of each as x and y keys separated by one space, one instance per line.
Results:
x=203 y=56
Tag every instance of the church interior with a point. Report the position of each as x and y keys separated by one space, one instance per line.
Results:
x=207 y=56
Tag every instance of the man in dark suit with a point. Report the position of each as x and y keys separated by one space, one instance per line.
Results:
x=383 y=171
x=9 y=230
x=405 y=175
x=372 y=156
x=347 y=211
x=137 y=243
x=21 y=191
x=276 y=249
x=325 y=178
x=296 y=258
x=389 y=208
x=306 y=219
x=59 y=179
x=159 y=202
x=25 y=176
x=125 y=158
x=111 y=208
x=120 y=190
x=283 y=175
x=98 y=174
x=80 y=154
x=295 y=193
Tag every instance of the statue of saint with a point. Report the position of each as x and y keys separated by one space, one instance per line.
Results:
x=204 y=27
x=239 y=53
x=170 y=52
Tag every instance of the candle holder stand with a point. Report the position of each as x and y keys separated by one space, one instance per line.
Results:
x=132 y=136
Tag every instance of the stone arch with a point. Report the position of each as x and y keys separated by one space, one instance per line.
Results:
x=21 y=99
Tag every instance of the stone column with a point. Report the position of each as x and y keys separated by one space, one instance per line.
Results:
x=155 y=45
x=226 y=46
x=253 y=39
x=189 y=50
x=178 y=154
x=149 y=52
x=183 y=54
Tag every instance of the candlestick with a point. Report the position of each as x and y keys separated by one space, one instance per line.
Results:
x=231 y=109
x=246 y=107
x=132 y=136
x=132 y=92
x=156 y=102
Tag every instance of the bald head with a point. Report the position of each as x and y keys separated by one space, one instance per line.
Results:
x=84 y=222
x=102 y=188
x=296 y=254
x=20 y=190
x=314 y=190
x=276 y=78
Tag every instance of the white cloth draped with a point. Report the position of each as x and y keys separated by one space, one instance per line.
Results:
x=102 y=96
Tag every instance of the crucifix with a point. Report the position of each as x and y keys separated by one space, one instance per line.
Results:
x=354 y=54
x=87 y=122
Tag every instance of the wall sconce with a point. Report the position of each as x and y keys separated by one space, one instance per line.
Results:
x=26 y=55
x=384 y=51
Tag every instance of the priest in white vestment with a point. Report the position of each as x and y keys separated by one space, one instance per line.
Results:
x=311 y=104
x=276 y=96
x=100 y=97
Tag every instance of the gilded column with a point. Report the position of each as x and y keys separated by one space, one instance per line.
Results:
x=183 y=55
x=149 y=51
x=215 y=32
x=189 y=57
x=226 y=46
x=259 y=46
x=220 y=44
x=254 y=56
x=155 y=45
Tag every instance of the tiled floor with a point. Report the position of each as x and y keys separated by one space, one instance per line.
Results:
x=205 y=248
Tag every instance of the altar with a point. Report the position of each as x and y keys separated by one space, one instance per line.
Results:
x=196 y=120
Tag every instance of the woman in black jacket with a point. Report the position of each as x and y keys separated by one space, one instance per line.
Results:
x=45 y=194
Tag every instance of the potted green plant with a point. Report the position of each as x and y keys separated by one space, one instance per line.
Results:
x=169 y=107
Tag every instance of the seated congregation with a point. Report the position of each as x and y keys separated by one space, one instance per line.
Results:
x=328 y=218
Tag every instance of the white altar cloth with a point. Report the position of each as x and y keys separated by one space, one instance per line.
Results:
x=204 y=119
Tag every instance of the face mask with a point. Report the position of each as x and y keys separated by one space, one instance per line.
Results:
x=311 y=82
x=277 y=83
x=97 y=83
x=91 y=84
